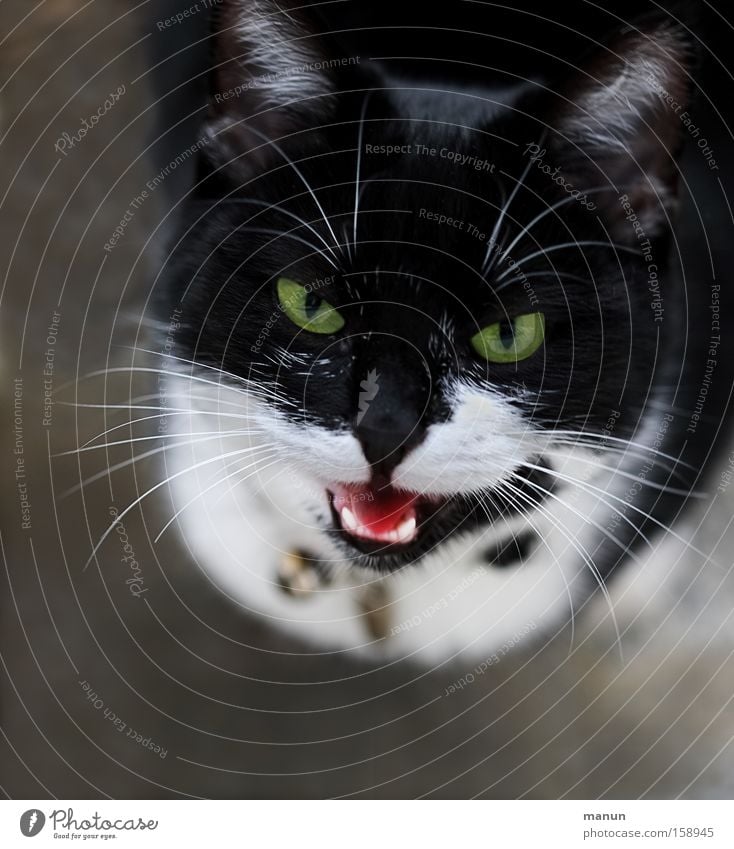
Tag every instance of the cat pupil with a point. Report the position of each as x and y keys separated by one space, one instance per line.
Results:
x=311 y=304
x=507 y=334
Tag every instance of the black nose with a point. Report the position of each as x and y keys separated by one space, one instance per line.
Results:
x=386 y=439
x=392 y=401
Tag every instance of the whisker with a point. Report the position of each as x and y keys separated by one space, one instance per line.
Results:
x=545 y=274
x=620 y=453
x=629 y=476
x=247 y=385
x=148 y=370
x=174 y=412
x=216 y=483
x=527 y=517
x=360 y=137
x=586 y=243
x=210 y=433
x=285 y=211
x=186 y=360
x=586 y=487
x=347 y=243
x=600 y=437
x=161 y=407
x=135 y=403
x=608 y=534
x=129 y=462
x=288 y=234
x=487 y=265
x=548 y=211
x=581 y=549
x=153 y=489
x=302 y=178
x=525 y=230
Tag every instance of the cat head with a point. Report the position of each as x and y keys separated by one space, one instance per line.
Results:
x=419 y=291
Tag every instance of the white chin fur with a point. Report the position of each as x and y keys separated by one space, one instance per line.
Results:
x=451 y=603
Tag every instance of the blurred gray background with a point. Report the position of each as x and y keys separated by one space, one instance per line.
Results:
x=240 y=711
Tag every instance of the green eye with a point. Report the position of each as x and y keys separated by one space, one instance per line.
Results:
x=511 y=341
x=306 y=309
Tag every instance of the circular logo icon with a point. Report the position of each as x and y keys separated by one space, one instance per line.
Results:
x=32 y=822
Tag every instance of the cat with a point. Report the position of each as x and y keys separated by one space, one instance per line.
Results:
x=419 y=377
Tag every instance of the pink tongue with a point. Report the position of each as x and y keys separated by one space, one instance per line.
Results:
x=382 y=515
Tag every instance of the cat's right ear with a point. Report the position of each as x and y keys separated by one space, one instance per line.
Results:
x=619 y=125
x=271 y=76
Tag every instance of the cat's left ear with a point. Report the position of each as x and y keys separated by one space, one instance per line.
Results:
x=619 y=125
x=272 y=75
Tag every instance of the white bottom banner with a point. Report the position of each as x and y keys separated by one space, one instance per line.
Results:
x=365 y=824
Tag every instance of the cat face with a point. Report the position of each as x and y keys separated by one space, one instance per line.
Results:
x=418 y=293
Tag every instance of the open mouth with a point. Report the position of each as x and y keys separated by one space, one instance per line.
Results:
x=395 y=527
x=380 y=518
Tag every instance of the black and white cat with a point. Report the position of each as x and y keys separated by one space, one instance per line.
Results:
x=423 y=333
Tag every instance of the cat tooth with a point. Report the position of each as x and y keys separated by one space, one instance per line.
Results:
x=406 y=530
x=349 y=520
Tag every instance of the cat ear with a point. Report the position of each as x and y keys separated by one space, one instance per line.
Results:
x=270 y=77
x=620 y=126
